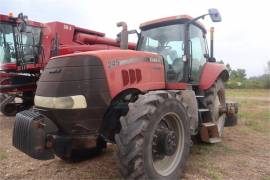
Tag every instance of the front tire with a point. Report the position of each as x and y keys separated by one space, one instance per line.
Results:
x=154 y=141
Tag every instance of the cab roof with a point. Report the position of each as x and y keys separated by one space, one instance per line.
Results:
x=14 y=20
x=170 y=20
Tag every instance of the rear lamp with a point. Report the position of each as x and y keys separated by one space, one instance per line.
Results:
x=68 y=102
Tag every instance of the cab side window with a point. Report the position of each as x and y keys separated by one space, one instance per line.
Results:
x=197 y=51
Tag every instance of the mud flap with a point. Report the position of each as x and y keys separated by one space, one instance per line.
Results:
x=231 y=114
x=29 y=134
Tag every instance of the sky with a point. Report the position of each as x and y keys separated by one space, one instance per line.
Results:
x=242 y=39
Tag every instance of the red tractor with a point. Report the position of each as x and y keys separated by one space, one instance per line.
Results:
x=149 y=102
x=26 y=47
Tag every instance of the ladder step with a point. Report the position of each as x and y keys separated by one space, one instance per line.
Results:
x=203 y=110
x=209 y=133
x=208 y=124
x=199 y=96
x=214 y=140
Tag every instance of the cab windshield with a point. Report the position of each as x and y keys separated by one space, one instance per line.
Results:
x=19 y=47
x=7 y=45
x=167 y=41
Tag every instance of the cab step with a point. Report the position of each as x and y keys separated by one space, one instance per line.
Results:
x=199 y=96
x=203 y=110
x=214 y=140
x=209 y=133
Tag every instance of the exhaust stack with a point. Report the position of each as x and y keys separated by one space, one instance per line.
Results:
x=123 y=35
x=212 y=43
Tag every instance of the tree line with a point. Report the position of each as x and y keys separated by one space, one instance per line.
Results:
x=238 y=78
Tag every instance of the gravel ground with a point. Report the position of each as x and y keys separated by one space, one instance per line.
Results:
x=243 y=154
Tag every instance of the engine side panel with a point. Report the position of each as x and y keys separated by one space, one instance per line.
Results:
x=210 y=73
x=127 y=69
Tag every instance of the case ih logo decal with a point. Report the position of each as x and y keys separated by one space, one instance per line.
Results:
x=115 y=63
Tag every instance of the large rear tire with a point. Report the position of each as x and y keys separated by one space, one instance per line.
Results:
x=154 y=141
x=215 y=101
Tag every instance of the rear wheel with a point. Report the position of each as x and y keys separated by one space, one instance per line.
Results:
x=154 y=140
x=215 y=101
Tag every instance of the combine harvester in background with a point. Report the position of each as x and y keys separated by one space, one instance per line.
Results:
x=26 y=47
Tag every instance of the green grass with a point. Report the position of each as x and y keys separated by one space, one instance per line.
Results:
x=253 y=117
x=253 y=113
x=248 y=92
x=214 y=173
x=202 y=153
x=3 y=154
x=266 y=178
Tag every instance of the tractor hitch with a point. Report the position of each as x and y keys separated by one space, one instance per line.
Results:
x=231 y=114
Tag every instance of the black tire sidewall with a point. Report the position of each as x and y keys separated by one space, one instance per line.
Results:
x=218 y=92
x=170 y=105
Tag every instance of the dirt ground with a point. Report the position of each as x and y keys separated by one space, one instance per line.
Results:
x=244 y=152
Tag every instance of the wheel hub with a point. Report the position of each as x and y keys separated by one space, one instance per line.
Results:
x=166 y=143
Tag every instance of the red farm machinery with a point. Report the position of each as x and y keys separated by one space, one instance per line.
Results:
x=26 y=47
x=151 y=102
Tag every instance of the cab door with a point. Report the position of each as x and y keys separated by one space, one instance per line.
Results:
x=198 y=50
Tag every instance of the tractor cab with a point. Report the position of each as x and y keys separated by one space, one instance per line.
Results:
x=19 y=42
x=181 y=40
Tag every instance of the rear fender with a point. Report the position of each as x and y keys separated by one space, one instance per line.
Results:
x=211 y=72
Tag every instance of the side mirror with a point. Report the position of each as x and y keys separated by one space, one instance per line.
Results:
x=22 y=27
x=22 y=22
x=134 y=31
x=214 y=14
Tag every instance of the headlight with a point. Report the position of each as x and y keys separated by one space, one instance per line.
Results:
x=68 y=102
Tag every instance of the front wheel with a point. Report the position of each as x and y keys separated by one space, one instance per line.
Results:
x=154 y=140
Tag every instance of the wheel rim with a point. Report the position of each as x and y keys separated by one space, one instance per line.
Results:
x=166 y=162
x=217 y=106
x=218 y=117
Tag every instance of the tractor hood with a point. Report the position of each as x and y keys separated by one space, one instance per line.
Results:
x=107 y=56
x=74 y=86
x=119 y=70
